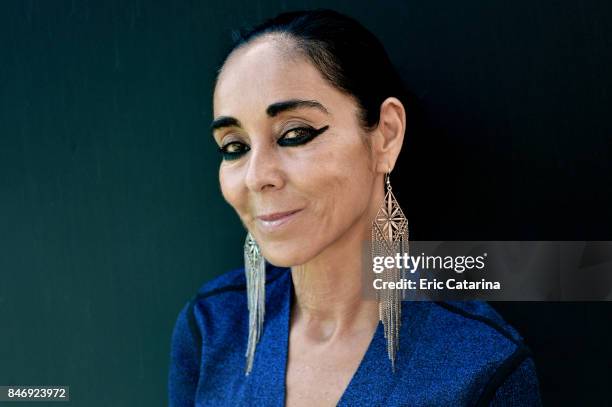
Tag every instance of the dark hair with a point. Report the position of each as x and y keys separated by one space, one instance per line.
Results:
x=348 y=56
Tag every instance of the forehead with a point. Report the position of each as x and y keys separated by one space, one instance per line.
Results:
x=266 y=72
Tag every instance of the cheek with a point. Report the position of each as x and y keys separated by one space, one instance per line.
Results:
x=342 y=181
x=231 y=183
x=352 y=186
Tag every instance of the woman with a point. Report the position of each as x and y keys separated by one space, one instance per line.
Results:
x=310 y=116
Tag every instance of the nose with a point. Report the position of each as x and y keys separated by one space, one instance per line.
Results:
x=263 y=171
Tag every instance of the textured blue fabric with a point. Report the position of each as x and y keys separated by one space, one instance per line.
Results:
x=450 y=354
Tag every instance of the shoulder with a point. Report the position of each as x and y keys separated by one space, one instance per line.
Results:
x=233 y=281
x=477 y=317
x=475 y=332
x=472 y=338
x=219 y=307
x=220 y=304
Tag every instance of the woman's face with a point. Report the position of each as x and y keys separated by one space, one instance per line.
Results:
x=296 y=168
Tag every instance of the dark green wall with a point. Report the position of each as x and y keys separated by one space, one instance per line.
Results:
x=110 y=210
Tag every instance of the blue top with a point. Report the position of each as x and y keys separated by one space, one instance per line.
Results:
x=450 y=354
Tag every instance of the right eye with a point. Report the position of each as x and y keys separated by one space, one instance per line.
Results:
x=233 y=150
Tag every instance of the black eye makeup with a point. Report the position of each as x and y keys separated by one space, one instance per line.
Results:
x=233 y=150
x=294 y=137
x=299 y=136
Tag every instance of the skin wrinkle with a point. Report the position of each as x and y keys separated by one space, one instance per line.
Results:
x=336 y=180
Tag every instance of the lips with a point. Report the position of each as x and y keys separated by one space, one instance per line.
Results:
x=274 y=222
x=277 y=215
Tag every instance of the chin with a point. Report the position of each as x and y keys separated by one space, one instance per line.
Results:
x=284 y=254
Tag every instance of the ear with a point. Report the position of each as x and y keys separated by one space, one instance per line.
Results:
x=388 y=137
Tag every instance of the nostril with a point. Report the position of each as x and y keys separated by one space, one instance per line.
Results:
x=263 y=172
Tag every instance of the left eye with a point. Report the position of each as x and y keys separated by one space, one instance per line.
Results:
x=299 y=136
x=297 y=133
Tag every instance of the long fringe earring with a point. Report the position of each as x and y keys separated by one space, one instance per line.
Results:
x=390 y=236
x=255 y=271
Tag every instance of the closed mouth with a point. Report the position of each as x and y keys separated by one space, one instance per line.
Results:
x=277 y=215
x=275 y=222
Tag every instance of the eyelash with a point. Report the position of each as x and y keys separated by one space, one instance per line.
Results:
x=309 y=135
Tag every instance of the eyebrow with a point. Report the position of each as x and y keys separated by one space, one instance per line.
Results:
x=278 y=107
x=273 y=110
x=224 y=121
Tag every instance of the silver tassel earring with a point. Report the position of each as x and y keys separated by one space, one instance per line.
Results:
x=390 y=236
x=255 y=271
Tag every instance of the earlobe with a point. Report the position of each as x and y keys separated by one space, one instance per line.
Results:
x=384 y=167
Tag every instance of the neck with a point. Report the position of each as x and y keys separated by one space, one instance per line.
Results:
x=329 y=300
x=329 y=286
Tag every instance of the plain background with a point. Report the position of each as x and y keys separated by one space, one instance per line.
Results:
x=110 y=211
